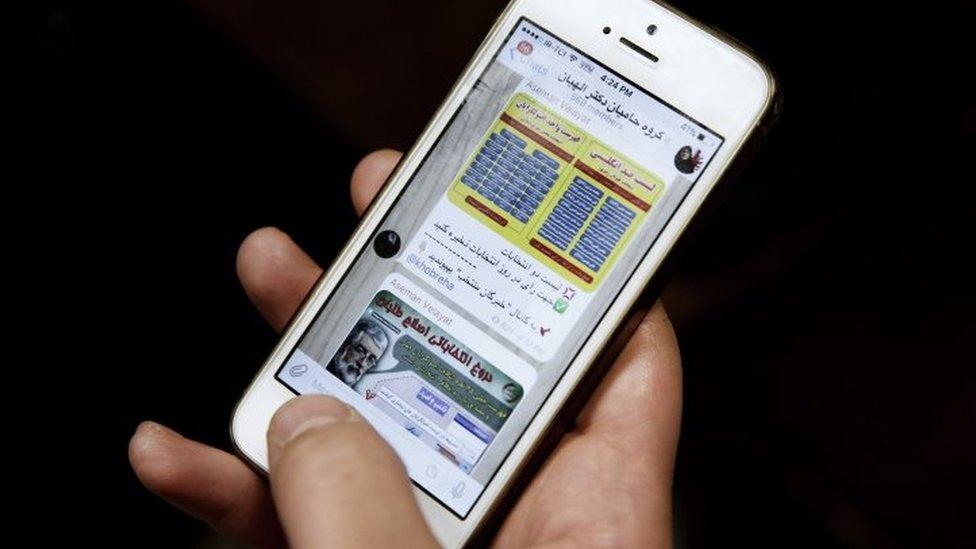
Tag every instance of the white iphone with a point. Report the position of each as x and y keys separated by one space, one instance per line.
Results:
x=491 y=282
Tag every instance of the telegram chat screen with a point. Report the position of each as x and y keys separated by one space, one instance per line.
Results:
x=518 y=230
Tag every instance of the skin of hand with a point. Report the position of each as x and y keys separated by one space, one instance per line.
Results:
x=608 y=483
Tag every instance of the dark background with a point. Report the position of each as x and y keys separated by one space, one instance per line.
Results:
x=825 y=312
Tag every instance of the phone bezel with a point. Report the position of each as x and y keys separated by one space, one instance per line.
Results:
x=700 y=72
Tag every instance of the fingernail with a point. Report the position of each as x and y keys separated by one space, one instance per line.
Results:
x=149 y=437
x=154 y=429
x=303 y=413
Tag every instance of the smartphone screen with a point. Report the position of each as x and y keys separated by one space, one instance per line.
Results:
x=517 y=232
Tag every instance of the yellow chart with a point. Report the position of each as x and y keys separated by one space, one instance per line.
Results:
x=555 y=192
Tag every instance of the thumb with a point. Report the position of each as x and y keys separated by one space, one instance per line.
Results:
x=336 y=483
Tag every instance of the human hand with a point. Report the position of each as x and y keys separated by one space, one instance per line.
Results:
x=607 y=483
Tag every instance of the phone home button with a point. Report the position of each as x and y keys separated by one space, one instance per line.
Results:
x=387 y=244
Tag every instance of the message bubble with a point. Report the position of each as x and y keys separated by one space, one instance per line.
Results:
x=532 y=224
x=427 y=378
